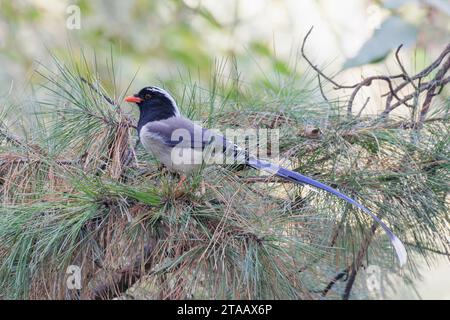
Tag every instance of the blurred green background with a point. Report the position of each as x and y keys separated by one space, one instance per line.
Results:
x=160 y=40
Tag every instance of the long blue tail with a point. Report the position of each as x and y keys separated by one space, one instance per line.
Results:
x=301 y=179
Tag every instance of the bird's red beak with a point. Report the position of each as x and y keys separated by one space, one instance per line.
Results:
x=133 y=99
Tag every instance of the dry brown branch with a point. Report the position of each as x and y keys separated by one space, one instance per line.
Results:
x=354 y=268
x=437 y=82
x=357 y=86
x=126 y=277
x=397 y=57
x=393 y=99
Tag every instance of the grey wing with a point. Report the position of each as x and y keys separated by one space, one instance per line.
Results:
x=181 y=132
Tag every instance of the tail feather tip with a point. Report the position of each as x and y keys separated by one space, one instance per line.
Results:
x=400 y=250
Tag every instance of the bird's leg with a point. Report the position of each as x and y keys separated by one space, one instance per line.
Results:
x=182 y=180
x=177 y=192
x=202 y=187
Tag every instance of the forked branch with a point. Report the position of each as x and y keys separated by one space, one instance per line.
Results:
x=394 y=98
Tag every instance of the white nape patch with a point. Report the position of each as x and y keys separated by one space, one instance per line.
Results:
x=168 y=96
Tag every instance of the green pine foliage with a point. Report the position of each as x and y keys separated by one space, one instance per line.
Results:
x=76 y=189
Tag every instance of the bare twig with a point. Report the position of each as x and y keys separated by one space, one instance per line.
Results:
x=368 y=82
x=321 y=89
x=421 y=88
x=363 y=107
x=432 y=88
x=357 y=86
x=302 y=50
x=431 y=92
x=354 y=268
x=397 y=57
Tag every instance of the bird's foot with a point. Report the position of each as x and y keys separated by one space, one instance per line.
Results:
x=202 y=188
x=178 y=192
x=182 y=180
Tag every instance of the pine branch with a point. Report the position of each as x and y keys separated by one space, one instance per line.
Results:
x=11 y=137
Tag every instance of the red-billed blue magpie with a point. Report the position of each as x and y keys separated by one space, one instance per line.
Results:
x=170 y=137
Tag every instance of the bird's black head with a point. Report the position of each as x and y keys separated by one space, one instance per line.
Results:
x=154 y=104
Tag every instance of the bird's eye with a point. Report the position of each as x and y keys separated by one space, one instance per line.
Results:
x=147 y=96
